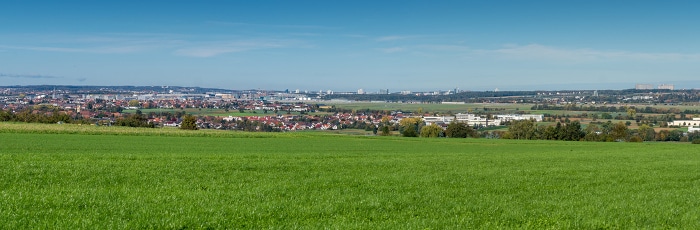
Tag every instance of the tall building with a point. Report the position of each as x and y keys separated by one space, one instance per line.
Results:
x=360 y=91
x=666 y=86
x=384 y=91
x=643 y=86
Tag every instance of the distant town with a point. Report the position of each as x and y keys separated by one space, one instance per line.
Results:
x=292 y=110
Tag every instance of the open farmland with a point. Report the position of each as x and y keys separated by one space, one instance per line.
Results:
x=175 y=179
x=431 y=107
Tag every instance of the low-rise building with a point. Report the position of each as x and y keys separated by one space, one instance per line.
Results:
x=685 y=123
x=437 y=120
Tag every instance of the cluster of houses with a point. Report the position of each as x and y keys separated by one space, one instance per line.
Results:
x=348 y=120
x=293 y=122
x=109 y=108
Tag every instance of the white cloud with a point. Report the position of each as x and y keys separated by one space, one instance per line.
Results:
x=183 y=45
x=536 y=51
x=283 y=26
x=32 y=76
x=452 y=48
x=214 y=49
x=103 y=49
x=392 y=49
x=391 y=38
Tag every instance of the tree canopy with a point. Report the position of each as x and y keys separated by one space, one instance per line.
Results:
x=459 y=130
x=432 y=130
x=189 y=123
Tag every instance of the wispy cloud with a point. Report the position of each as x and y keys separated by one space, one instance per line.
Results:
x=392 y=49
x=28 y=76
x=182 y=45
x=391 y=38
x=283 y=26
x=218 y=48
x=89 y=43
x=448 y=48
x=410 y=37
x=102 y=50
x=536 y=51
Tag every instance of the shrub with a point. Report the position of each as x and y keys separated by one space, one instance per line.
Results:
x=410 y=131
x=635 y=139
x=696 y=141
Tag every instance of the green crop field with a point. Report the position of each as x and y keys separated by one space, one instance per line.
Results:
x=431 y=107
x=123 y=178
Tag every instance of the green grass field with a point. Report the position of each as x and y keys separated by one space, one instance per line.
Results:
x=117 y=179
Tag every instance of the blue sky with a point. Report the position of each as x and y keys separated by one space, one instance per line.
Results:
x=347 y=45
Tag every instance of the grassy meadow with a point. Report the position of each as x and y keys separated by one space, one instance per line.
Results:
x=112 y=178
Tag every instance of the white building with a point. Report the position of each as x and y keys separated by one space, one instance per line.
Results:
x=438 y=120
x=518 y=117
x=473 y=120
x=666 y=86
x=643 y=86
x=685 y=123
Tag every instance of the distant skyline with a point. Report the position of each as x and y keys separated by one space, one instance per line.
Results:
x=345 y=46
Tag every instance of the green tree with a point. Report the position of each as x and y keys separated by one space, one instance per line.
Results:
x=459 y=130
x=134 y=120
x=675 y=135
x=523 y=130
x=134 y=103
x=6 y=115
x=549 y=133
x=432 y=130
x=573 y=132
x=591 y=133
x=385 y=131
x=620 y=132
x=189 y=122
x=646 y=133
x=414 y=122
x=631 y=113
x=635 y=138
x=409 y=131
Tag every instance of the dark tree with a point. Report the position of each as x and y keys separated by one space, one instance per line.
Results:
x=459 y=130
x=189 y=123
x=410 y=131
x=386 y=131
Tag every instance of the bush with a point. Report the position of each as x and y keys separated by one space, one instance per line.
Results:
x=696 y=141
x=635 y=139
x=410 y=131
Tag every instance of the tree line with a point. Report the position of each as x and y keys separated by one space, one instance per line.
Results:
x=602 y=132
